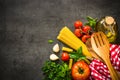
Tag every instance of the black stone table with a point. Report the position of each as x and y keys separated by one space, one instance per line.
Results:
x=27 y=25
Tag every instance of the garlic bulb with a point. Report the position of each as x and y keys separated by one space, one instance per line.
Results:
x=53 y=57
x=56 y=48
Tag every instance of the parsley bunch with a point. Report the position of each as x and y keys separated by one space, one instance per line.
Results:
x=55 y=71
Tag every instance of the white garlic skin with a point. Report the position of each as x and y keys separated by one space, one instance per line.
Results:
x=56 y=48
x=53 y=57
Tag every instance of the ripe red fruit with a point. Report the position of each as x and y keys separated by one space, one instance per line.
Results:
x=80 y=70
x=77 y=24
x=85 y=37
x=78 y=32
x=86 y=29
x=65 y=56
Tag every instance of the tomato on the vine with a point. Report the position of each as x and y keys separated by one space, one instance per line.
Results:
x=78 y=24
x=65 y=56
x=86 y=29
x=78 y=32
x=85 y=37
x=80 y=70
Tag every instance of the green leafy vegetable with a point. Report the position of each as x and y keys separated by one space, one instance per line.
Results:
x=50 y=41
x=91 y=22
x=56 y=71
x=77 y=55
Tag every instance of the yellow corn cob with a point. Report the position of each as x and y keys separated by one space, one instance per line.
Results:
x=67 y=37
x=67 y=49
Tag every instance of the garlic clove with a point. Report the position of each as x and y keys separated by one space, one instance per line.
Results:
x=56 y=48
x=53 y=57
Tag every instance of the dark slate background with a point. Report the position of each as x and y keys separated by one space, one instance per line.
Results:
x=27 y=25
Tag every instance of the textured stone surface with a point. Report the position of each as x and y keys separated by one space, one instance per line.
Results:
x=26 y=26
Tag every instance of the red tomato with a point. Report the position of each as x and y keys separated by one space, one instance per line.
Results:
x=78 y=32
x=85 y=37
x=80 y=70
x=65 y=56
x=86 y=29
x=77 y=24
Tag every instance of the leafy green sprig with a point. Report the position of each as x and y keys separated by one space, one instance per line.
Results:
x=77 y=55
x=91 y=22
x=56 y=71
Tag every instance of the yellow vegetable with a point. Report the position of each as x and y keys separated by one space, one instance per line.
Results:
x=67 y=49
x=67 y=37
x=70 y=63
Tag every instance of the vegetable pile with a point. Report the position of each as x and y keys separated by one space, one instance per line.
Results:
x=84 y=31
x=73 y=62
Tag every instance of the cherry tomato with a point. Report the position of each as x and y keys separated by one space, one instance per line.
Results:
x=78 y=32
x=86 y=29
x=85 y=37
x=80 y=70
x=78 y=24
x=65 y=56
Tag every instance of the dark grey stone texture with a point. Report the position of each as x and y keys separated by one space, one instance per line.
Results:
x=27 y=25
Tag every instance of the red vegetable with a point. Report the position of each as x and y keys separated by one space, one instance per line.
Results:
x=85 y=37
x=86 y=29
x=80 y=70
x=78 y=24
x=78 y=32
x=65 y=56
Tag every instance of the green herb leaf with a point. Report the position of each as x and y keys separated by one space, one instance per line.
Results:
x=89 y=18
x=56 y=71
x=50 y=41
x=79 y=51
x=76 y=55
x=91 y=22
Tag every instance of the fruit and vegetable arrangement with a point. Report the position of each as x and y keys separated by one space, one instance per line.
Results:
x=74 y=60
